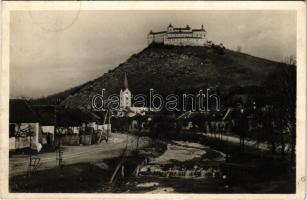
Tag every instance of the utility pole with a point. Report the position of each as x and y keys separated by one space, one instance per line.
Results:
x=30 y=154
x=60 y=152
x=109 y=125
x=31 y=165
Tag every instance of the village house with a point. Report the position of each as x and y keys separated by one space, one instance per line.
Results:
x=24 y=126
x=75 y=126
x=103 y=125
x=47 y=123
x=211 y=122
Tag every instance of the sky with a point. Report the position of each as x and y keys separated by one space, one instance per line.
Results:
x=51 y=51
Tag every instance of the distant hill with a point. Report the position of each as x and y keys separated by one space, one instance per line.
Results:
x=171 y=68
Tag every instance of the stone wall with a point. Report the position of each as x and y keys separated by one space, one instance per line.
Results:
x=156 y=38
x=181 y=37
x=186 y=41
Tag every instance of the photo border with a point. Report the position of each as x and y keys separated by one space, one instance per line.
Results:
x=299 y=7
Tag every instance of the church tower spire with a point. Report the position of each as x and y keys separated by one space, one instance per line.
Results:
x=125 y=82
x=125 y=95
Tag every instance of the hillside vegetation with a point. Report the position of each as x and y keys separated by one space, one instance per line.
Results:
x=168 y=69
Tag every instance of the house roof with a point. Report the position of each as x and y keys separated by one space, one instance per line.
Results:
x=101 y=115
x=186 y=28
x=20 y=112
x=216 y=115
x=82 y=116
x=194 y=30
x=45 y=113
x=232 y=114
x=160 y=32
x=64 y=117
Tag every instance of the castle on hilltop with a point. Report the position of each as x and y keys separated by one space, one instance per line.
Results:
x=180 y=36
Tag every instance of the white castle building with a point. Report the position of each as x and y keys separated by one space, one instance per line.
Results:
x=180 y=36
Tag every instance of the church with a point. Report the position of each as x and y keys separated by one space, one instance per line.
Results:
x=180 y=36
x=125 y=95
x=126 y=108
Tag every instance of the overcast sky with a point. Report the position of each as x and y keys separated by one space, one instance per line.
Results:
x=54 y=51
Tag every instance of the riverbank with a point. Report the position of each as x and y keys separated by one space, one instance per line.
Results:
x=204 y=165
x=254 y=171
x=184 y=167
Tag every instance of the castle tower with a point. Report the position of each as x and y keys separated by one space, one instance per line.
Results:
x=170 y=28
x=125 y=95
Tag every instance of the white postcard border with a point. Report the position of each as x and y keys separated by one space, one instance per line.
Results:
x=299 y=7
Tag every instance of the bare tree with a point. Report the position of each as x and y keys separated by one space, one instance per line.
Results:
x=239 y=48
x=291 y=60
x=282 y=91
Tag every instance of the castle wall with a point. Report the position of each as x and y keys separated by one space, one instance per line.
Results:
x=186 y=41
x=199 y=34
x=179 y=37
x=157 y=38
x=170 y=35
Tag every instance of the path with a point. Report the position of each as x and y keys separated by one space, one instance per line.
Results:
x=78 y=154
x=236 y=140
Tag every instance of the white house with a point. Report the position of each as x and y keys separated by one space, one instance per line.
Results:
x=24 y=126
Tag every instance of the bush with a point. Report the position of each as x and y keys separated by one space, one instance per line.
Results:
x=219 y=50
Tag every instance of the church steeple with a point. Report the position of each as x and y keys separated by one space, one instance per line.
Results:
x=125 y=95
x=125 y=82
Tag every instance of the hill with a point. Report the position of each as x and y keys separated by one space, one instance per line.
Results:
x=168 y=69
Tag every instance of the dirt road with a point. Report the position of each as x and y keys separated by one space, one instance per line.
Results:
x=78 y=154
